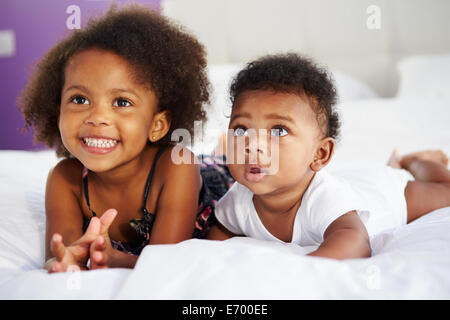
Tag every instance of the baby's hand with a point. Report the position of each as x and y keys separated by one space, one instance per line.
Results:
x=77 y=254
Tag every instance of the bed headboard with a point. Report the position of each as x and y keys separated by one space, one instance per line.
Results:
x=363 y=38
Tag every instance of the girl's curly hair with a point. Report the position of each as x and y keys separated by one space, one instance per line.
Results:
x=165 y=57
x=296 y=74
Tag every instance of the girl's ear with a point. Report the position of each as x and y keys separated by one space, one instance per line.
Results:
x=323 y=154
x=160 y=127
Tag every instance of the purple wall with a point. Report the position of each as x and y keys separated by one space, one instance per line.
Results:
x=37 y=25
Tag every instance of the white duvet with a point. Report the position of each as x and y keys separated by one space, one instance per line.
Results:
x=409 y=262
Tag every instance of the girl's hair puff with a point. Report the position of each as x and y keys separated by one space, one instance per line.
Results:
x=165 y=57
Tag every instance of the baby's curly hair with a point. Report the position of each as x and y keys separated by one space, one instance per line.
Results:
x=165 y=57
x=296 y=74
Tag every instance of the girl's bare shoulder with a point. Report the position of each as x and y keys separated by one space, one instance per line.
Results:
x=67 y=173
x=178 y=159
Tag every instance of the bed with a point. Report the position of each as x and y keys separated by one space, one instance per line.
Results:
x=408 y=262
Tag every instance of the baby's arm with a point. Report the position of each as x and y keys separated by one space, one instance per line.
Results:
x=219 y=232
x=345 y=238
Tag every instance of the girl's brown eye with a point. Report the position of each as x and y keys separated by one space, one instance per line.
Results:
x=122 y=103
x=79 y=100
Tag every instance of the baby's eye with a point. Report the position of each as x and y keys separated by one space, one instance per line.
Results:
x=279 y=131
x=79 y=100
x=121 y=102
x=240 y=131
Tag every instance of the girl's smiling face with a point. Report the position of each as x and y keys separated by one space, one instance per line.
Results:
x=106 y=116
x=291 y=119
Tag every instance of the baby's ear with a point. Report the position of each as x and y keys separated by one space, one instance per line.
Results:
x=160 y=127
x=323 y=155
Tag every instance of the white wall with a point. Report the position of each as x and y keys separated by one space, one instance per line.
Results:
x=334 y=32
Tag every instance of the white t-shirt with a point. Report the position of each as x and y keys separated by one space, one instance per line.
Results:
x=377 y=196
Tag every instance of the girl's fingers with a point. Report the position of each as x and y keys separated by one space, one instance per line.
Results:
x=97 y=253
x=100 y=244
x=91 y=233
x=94 y=227
x=57 y=246
x=56 y=267
x=98 y=257
x=107 y=219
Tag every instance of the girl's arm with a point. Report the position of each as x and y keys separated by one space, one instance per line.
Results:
x=177 y=205
x=345 y=238
x=63 y=215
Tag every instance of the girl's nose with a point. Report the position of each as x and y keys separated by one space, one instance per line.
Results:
x=99 y=116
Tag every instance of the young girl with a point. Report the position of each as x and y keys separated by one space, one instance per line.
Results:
x=299 y=201
x=107 y=98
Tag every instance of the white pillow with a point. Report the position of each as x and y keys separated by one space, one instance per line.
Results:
x=219 y=111
x=350 y=88
x=23 y=176
x=424 y=77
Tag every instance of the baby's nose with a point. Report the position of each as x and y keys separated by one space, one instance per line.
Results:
x=249 y=150
x=256 y=145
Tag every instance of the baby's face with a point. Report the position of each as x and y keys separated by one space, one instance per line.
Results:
x=105 y=116
x=291 y=140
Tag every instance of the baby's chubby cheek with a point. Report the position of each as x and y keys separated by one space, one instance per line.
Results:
x=237 y=171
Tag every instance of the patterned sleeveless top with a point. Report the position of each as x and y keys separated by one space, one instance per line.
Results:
x=216 y=181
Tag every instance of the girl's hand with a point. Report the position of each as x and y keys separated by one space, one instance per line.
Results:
x=103 y=256
x=75 y=255
x=101 y=252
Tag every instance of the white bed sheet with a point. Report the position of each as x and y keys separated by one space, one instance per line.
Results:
x=409 y=262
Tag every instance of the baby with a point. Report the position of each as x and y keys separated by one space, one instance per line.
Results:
x=297 y=200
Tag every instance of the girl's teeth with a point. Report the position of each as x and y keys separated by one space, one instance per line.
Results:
x=99 y=143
